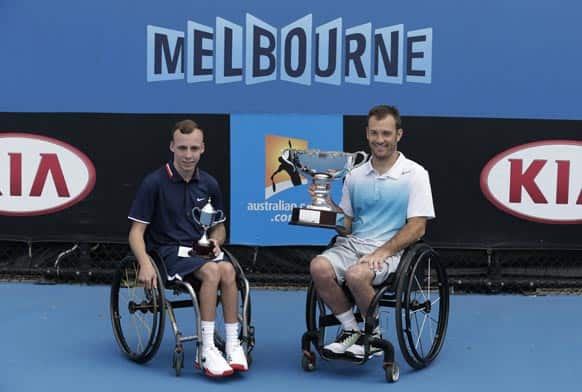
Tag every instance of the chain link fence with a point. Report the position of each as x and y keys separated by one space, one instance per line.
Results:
x=469 y=270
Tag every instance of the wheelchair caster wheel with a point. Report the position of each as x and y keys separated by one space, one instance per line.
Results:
x=308 y=362
x=178 y=361
x=392 y=372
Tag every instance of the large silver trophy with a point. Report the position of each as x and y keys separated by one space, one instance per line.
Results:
x=323 y=167
x=206 y=217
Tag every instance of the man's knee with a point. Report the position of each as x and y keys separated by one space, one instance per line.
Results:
x=209 y=273
x=227 y=272
x=321 y=269
x=359 y=274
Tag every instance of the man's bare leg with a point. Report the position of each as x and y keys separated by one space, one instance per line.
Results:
x=209 y=276
x=359 y=280
x=229 y=292
x=327 y=286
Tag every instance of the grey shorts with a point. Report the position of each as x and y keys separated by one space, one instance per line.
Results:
x=347 y=250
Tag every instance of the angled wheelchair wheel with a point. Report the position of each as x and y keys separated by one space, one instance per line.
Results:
x=422 y=305
x=316 y=311
x=321 y=323
x=137 y=314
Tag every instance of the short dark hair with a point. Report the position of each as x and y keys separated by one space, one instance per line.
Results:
x=383 y=111
x=185 y=127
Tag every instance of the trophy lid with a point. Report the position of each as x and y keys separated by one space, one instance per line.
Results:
x=208 y=207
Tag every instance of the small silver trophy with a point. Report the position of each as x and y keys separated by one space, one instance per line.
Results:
x=323 y=167
x=207 y=217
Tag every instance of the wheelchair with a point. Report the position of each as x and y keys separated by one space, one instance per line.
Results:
x=138 y=315
x=419 y=293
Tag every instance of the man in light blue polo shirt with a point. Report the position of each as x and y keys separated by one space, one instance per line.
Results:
x=386 y=203
x=161 y=216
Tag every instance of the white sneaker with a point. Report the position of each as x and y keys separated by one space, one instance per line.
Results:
x=214 y=364
x=357 y=349
x=342 y=343
x=237 y=359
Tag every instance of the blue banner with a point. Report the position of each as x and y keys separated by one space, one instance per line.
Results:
x=265 y=187
x=501 y=59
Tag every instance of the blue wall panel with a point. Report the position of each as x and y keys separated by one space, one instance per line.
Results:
x=516 y=59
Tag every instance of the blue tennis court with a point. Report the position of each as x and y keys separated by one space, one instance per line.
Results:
x=60 y=337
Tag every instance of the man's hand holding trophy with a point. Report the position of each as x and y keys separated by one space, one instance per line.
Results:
x=323 y=167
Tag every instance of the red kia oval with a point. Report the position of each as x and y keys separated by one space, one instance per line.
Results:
x=71 y=162
x=554 y=190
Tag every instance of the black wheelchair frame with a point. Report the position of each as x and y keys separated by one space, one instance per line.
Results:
x=146 y=308
x=419 y=288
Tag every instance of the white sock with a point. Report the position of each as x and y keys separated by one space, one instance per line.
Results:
x=207 y=329
x=348 y=321
x=231 y=335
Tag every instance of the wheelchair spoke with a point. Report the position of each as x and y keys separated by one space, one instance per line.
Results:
x=137 y=313
x=428 y=272
x=142 y=321
x=422 y=327
x=124 y=297
x=420 y=287
x=127 y=280
x=430 y=329
x=137 y=333
x=422 y=297
x=419 y=331
x=131 y=295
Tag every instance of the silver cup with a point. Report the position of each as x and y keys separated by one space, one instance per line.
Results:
x=206 y=217
x=323 y=167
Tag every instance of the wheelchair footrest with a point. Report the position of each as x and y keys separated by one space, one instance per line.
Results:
x=386 y=347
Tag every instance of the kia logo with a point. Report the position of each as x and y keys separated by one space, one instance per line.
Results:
x=540 y=182
x=40 y=175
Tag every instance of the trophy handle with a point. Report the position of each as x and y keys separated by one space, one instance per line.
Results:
x=194 y=211
x=219 y=217
x=364 y=158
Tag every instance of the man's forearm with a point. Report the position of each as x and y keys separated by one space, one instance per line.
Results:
x=218 y=233
x=137 y=245
x=410 y=233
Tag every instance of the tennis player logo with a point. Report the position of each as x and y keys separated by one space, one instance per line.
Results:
x=279 y=173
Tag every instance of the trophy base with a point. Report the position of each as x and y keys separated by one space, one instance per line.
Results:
x=316 y=218
x=202 y=250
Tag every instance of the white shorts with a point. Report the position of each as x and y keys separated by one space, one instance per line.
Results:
x=347 y=251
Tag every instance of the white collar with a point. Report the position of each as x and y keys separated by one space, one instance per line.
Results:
x=394 y=172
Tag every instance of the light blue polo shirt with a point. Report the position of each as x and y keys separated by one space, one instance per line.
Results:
x=380 y=204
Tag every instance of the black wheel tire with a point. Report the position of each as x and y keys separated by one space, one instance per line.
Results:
x=414 y=279
x=307 y=363
x=314 y=310
x=125 y=290
x=178 y=361
x=392 y=372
